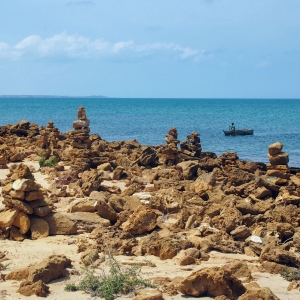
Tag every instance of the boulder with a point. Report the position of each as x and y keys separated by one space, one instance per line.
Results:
x=39 y=228
x=7 y=217
x=263 y=293
x=275 y=148
x=212 y=282
x=22 y=221
x=142 y=220
x=60 y=224
x=38 y=288
x=188 y=169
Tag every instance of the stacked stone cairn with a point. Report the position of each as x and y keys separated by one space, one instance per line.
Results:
x=278 y=166
x=170 y=151
x=3 y=159
x=191 y=147
x=25 y=206
x=80 y=135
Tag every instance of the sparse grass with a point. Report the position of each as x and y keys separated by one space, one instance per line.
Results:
x=51 y=162
x=71 y=287
x=112 y=283
x=4 y=266
x=290 y=274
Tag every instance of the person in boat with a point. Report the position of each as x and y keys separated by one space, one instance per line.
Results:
x=232 y=127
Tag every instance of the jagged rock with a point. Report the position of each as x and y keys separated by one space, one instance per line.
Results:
x=38 y=288
x=20 y=205
x=263 y=293
x=105 y=211
x=148 y=294
x=275 y=148
x=188 y=169
x=212 y=282
x=39 y=228
x=60 y=224
x=46 y=270
x=142 y=220
x=25 y=185
x=7 y=217
x=22 y=221
x=201 y=188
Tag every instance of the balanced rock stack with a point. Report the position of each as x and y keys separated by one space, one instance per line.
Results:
x=191 y=147
x=170 y=151
x=278 y=166
x=25 y=204
x=3 y=159
x=80 y=135
x=42 y=143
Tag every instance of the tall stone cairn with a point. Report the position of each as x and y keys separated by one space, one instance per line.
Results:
x=278 y=166
x=191 y=147
x=25 y=206
x=170 y=151
x=3 y=159
x=80 y=135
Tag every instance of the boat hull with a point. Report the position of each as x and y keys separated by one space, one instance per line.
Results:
x=239 y=132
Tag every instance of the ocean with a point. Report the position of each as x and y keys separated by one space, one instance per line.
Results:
x=149 y=120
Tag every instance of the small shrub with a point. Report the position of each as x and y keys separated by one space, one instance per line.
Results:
x=51 y=162
x=117 y=281
x=71 y=287
x=4 y=266
x=290 y=274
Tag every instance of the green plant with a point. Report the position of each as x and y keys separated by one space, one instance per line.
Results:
x=4 y=266
x=51 y=162
x=290 y=274
x=71 y=287
x=117 y=281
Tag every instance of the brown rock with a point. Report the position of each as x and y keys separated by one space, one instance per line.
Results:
x=7 y=217
x=17 y=194
x=263 y=293
x=42 y=211
x=105 y=211
x=33 y=195
x=275 y=148
x=142 y=220
x=262 y=193
x=281 y=158
x=39 y=228
x=201 y=188
x=148 y=294
x=38 y=288
x=60 y=224
x=15 y=234
x=240 y=233
x=25 y=185
x=18 y=205
x=22 y=221
x=188 y=169
x=186 y=260
x=212 y=282
x=117 y=173
x=46 y=270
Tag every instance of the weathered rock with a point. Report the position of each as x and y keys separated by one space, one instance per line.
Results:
x=84 y=205
x=201 y=188
x=38 y=288
x=212 y=282
x=188 y=169
x=142 y=220
x=240 y=233
x=17 y=194
x=281 y=158
x=275 y=148
x=105 y=211
x=46 y=270
x=18 y=205
x=42 y=211
x=22 y=221
x=7 y=217
x=33 y=195
x=148 y=294
x=39 y=228
x=259 y=293
x=15 y=234
x=60 y=224
x=25 y=185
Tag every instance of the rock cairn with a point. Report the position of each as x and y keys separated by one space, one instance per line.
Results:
x=170 y=151
x=191 y=147
x=278 y=166
x=25 y=206
x=80 y=135
x=3 y=159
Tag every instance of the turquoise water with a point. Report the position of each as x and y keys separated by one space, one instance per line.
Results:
x=148 y=121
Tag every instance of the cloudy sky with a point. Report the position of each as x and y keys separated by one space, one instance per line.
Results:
x=151 y=48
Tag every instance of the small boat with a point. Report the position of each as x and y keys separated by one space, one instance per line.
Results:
x=239 y=132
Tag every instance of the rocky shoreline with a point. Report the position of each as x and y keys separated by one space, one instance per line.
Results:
x=172 y=201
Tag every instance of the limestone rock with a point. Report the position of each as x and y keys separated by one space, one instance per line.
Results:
x=142 y=220
x=42 y=211
x=259 y=293
x=7 y=217
x=46 y=270
x=275 y=148
x=25 y=185
x=38 y=288
x=282 y=158
x=148 y=294
x=188 y=169
x=22 y=221
x=18 y=205
x=39 y=228
x=60 y=224
x=83 y=205
x=213 y=282
x=105 y=211
x=33 y=195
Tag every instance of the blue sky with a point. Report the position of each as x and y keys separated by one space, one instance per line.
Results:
x=157 y=48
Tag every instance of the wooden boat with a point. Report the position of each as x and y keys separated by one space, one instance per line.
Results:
x=239 y=132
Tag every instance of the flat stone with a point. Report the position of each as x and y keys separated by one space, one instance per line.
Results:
x=7 y=217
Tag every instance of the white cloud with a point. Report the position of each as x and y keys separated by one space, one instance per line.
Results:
x=72 y=46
